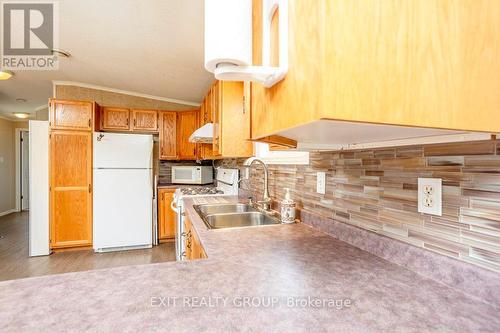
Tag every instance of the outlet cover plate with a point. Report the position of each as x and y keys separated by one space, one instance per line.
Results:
x=430 y=198
x=321 y=182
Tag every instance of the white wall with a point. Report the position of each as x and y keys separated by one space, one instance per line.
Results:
x=8 y=164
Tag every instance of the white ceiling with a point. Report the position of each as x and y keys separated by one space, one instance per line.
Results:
x=152 y=47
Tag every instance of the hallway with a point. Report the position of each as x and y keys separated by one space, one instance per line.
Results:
x=15 y=263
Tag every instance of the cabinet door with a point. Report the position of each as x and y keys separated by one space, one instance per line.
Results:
x=188 y=241
x=187 y=123
x=216 y=106
x=168 y=135
x=205 y=150
x=144 y=120
x=115 y=119
x=70 y=189
x=73 y=115
x=166 y=216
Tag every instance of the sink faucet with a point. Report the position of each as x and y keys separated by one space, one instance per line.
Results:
x=266 y=202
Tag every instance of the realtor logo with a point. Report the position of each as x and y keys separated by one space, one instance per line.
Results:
x=29 y=35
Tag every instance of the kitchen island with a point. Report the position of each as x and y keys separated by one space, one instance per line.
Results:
x=261 y=279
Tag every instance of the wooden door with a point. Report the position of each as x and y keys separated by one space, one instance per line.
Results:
x=71 y=115
x=166 y=216
x=187 y=123
x=70 y=188
x=168 y=135
x=115 y=119
x=144 y=120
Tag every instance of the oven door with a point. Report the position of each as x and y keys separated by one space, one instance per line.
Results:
x=176 y=206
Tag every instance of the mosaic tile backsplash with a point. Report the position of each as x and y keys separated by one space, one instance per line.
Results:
x=377 y=190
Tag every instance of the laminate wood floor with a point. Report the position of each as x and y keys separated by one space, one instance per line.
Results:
x=15 y=263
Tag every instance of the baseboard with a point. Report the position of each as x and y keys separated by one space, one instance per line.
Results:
x=7 y=212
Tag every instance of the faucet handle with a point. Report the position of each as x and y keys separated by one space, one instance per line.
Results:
x=250 y=200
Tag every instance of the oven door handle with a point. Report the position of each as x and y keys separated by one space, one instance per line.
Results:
x=173 y=205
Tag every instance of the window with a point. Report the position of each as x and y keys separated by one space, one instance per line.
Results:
x=280 y=157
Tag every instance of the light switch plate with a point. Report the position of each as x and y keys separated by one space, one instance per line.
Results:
x=321 y=182
x=430 y=197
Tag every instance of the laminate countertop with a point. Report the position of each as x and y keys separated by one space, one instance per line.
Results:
x=284 y=278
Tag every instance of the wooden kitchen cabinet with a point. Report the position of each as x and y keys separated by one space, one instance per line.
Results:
x=187 y=123
x=144 y=120
x=231 y=118
x=193 y=248
x=413 y=63
x=205 y=150
x=166 y=216
x=71 y=115
x=226 y=107
x=115 y=119
x=168 y=135
x=70 y=188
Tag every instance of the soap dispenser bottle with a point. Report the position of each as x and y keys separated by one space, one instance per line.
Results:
x=287 y=208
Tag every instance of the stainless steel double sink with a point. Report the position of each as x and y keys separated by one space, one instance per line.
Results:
x=221 y=216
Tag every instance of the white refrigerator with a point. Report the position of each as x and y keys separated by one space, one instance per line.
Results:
x=123 y=191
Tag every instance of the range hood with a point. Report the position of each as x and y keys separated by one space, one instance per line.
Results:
x=204 y=134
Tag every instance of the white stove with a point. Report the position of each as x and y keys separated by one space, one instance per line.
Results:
x=227 y=184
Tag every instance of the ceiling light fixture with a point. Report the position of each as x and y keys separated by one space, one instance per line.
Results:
x=61 y=53
x=5 y=75
x=21 y=100
x=22 y=115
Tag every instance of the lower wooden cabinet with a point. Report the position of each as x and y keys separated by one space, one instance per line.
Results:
x=166 y=216
x=193 y=248
x=70 y=189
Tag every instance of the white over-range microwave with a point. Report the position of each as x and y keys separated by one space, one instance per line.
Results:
x=192 y=175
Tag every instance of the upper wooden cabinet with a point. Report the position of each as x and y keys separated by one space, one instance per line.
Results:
x=175 y=130
x=115 y=119
x=71 y=115
x=205 y=150
x=123 y=119
x=144 y=120
x=231 y=118
x=168 y=135
x=415 y=63
x=187 y=123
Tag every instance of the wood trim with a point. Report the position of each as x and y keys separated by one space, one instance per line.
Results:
x=278 y=140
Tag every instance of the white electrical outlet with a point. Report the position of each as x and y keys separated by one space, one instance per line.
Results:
x=430 y=196
x=321 y=182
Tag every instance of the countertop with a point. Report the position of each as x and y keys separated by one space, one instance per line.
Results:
x=284 y=278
